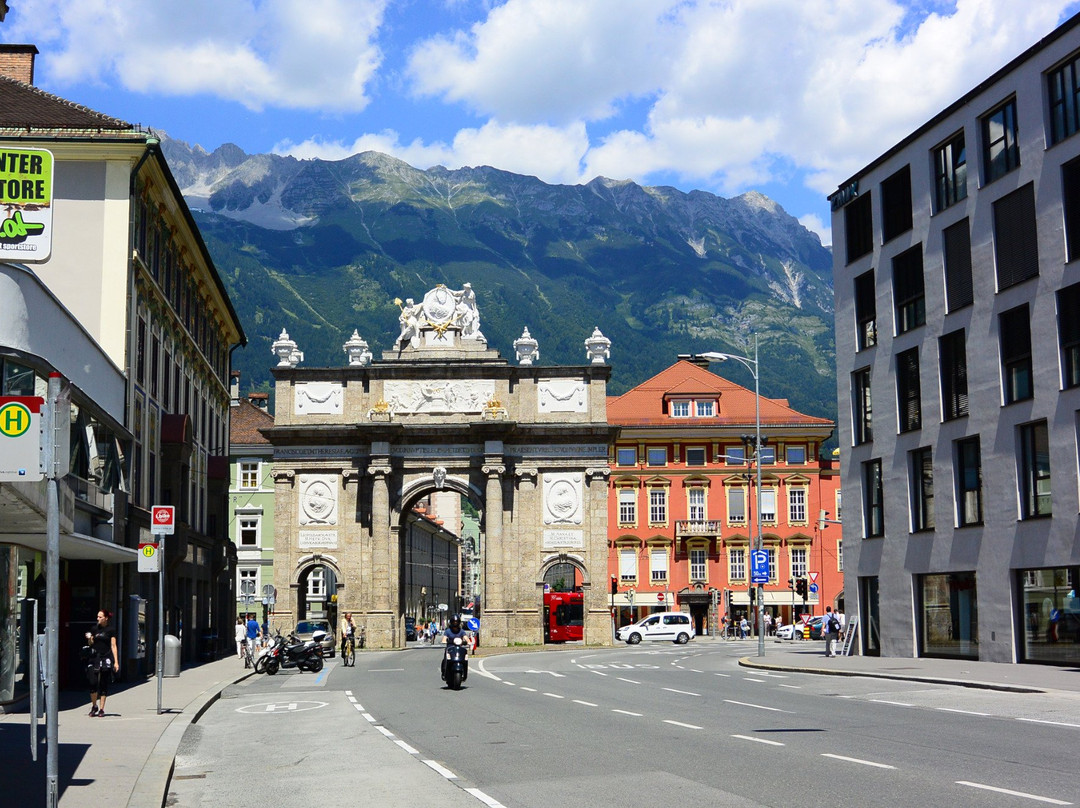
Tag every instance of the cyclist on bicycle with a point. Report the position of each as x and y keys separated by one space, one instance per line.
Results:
x=348 y=631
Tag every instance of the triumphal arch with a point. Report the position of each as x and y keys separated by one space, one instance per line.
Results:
x=355 y=447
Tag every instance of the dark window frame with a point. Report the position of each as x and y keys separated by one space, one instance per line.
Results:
x=1068 y=300
x=909 y=290
x=950 y=172
x=1014 y=337
x=1063 y=99
x=865 y=310
x=1033 y=449
x=873 y=499
x=862 y=407
x=956 y=254
x=896 y=209
x=1001 y=152
x=969 y=498
x=952 y=353
x=908 y=391
x=1016 y=237
x=921 y=464
x=858 y=228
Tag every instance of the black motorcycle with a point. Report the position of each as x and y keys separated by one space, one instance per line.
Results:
x=455 y=665
x=299 y=654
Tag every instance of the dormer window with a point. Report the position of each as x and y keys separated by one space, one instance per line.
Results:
x=692 y=408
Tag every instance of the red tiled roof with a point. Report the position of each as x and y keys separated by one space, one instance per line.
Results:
x=245 y=421
x=644 y=404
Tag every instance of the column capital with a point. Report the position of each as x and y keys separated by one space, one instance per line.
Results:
x=284 y=475
x=379 y=469
x=598 y=471
x=526 y=471
x=493 y=469
x=350 y=476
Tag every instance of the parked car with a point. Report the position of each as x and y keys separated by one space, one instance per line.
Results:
x=305 y=629
x=796 y=632
x=671 y=626
x=410 y=629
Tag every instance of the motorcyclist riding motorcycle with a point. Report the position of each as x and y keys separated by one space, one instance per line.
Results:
x=453 y=631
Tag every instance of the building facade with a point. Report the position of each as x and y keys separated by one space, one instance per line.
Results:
x=128 y=263
x=958 y=369
x=251 y=502
x=683 y=502
x=357 y=447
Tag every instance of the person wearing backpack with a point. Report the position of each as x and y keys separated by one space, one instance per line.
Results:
x=830 y=631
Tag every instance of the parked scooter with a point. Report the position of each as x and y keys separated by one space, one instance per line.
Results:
x=455 y=666
x=304 y=656
x=264 y=656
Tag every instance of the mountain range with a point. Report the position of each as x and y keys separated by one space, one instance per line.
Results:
x=319 y=248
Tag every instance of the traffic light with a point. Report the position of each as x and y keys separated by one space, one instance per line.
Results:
x=800 y=588
x=614 y=585
x=791 y=584
x=822 y=516
x=753 y=594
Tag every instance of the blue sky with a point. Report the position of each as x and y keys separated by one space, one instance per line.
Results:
x=787 y=97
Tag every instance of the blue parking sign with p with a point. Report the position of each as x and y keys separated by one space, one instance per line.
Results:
x=759 y=567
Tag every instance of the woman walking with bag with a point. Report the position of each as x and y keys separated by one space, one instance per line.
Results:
x=104 y=661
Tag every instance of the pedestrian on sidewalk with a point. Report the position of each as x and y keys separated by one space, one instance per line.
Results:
x=253 y=633
x=104 y=662
x=830 y=630
x=241 y=632
x=744 y=628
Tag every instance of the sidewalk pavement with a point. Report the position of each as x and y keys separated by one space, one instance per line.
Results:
x=127 y=757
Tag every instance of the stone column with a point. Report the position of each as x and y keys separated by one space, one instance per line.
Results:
x=352 y=594
x=285 y=551
x=381 y=631
x=597 y=607
x=495 y=596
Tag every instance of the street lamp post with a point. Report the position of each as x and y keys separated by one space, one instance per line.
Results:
x=753 y=367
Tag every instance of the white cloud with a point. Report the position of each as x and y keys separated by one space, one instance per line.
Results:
x=320 y=54
x=552 y=153
x=813 y=223
x=535 y=61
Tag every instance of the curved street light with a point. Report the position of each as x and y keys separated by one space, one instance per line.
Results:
x=752 y=366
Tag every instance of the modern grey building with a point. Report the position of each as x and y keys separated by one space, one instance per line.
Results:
x=958 y=369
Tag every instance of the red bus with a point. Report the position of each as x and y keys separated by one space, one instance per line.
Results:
x=564 y=616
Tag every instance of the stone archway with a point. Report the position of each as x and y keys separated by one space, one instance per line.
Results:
x=356 y=446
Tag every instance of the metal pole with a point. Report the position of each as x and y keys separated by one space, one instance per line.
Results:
x=160 y=619
x=52 y=598
x=757 y=462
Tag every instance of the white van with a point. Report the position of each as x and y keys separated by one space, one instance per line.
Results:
x=671 y=626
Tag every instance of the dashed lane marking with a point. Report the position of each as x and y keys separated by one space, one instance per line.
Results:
x=681 y=724
x=756 y=706
x=406 y=747
x=484 y=798
x=758 y=740
x=627 y=712
x=445 y=772
x=1012 y=793
x=683 y=692
x=859 y=761
x=586 y=703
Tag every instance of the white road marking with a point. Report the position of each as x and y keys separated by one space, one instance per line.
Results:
x=586 y=703
x=529 y=689
x=555 y=695
x=954 y=710
x=752 y=679
x=369 y=717
x=683 y=692
x=384 y=670
x=726 y=675
x=793 y=687
x=627 y=712
x=556 y=675
x=1043 y=721
x=1012 y=793
x=406 y=747
x=445 y=772
x=758 y=740
x=598 y=673
x=756 y=706
x=681 y=724
x=491 y=802
x=509 y=683
x=857 y=760
x=894 y=703
x=631 y=681
x=384 y=731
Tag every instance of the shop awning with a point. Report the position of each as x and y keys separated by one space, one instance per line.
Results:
x=74 y=546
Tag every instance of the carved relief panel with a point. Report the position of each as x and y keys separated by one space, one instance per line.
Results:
x=318 y=499
x=318 y=398
x=562 y=499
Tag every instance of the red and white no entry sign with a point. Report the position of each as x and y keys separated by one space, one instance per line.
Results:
x=162 y=519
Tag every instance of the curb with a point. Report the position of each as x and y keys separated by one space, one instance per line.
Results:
x=750 y=662
x=152 y=786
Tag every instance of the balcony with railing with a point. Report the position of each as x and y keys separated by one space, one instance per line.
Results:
x=705 y=528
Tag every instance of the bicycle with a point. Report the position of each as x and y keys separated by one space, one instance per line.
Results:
x=348 y=651
x=249 y=659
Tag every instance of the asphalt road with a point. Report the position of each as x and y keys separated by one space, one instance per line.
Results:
x=642 y=726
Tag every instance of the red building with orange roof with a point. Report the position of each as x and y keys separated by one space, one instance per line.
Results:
x=683 y=501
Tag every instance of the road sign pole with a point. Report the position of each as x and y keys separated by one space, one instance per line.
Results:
x=160 y=619
x=52 y=596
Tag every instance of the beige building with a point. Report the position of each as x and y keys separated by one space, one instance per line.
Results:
x=356 y=447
